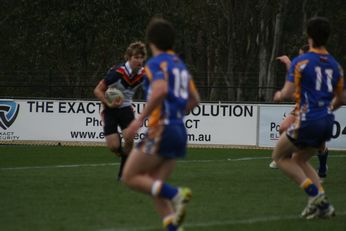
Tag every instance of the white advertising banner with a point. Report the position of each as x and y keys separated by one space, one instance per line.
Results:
x=227 y=124
x=270 y=117
x=50 y=120
x=67 y=120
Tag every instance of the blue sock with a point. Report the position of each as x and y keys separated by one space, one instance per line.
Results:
x=172 y=227
x=168 y=191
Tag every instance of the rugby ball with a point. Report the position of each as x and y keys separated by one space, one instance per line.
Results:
x=113 y=94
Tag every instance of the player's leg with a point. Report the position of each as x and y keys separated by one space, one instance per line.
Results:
x=292 y=168
x=110 y=129
x=322 y=157
x=125 y=117
x=164 y=206
x=283 y=127
x=144 y=161
x=302 y=159
x=282 y=156
x=146 y=173
x=137 y=168
x=113 y=143
x=286 y=123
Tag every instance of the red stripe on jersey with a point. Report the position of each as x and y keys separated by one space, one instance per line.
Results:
x=130 y=81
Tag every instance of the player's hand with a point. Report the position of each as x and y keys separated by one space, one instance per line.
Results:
x=116 y=103
x=132 y=129
x=285 y=60
x=277 y=96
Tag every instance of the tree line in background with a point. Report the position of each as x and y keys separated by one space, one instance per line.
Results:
x=62 y=48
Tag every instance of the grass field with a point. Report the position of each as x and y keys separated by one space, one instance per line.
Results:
x=75 y=188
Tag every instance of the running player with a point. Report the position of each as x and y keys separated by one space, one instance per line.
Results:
x=171 y=93
x=318 y=83
x=127 y=77
x=290 y=118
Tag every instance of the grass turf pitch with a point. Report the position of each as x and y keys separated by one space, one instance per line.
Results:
x=75 y=188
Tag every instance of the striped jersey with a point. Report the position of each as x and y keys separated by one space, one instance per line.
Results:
x=123 y=78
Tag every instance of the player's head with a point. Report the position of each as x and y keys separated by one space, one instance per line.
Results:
x=136 y=54
x=135 y=48
x=161 y=34
x=318 y=29
x=303 y=49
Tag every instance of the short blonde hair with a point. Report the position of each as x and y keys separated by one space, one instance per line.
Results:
x=135 y=48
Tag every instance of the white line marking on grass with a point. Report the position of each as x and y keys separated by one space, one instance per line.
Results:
x=221 y=223
x=115 y=164
x=60 y=166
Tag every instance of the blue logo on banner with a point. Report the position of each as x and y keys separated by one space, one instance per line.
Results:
x=8 y=113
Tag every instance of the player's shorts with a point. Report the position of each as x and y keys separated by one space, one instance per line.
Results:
x=165 y=140
x=311 y=133
x=114 y=117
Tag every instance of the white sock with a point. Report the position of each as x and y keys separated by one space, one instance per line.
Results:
x=156 y=187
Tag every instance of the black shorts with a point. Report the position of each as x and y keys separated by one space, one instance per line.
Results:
x=114 y=117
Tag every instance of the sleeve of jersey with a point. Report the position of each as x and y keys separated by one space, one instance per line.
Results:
x=192 y=87
x=154 y=72
x=340 y=87
x=112 y=76
x=291 y=71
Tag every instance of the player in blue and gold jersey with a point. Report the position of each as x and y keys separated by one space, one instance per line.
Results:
x=290 y=118
x=127 y=77
x=170 y=94
x=316 y=79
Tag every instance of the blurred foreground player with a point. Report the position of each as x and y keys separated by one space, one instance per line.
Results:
x=170 y=94
x=318 y=83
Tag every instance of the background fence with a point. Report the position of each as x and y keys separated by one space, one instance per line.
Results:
x=80 y=85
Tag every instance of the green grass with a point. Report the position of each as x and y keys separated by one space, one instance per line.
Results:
x=69 y=188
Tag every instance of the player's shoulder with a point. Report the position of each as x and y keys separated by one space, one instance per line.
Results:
x=118 y=69
x=302 y=60
x=154 y=63
x=115 y=67
x=115 y=71
x=333 y=61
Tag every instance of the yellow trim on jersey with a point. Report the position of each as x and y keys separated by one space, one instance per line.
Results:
x=322 y=51
x=148 y=73
x=171 y=52
x=163 y=67
x=154 y=117
x=192 y=86
x=340 y=85
x=297 y=81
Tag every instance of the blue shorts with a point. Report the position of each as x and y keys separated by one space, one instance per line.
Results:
x=165 y=140
x=311 y=133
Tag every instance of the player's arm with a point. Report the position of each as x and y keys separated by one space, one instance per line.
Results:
x=285 y=60
x=194 y=97
x=286 y=92
x=100 y=90
x=102 y=86
x=159 y=90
